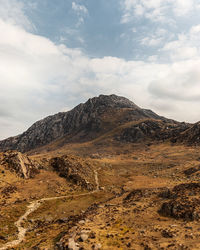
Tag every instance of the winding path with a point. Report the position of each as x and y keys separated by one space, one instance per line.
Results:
x=33 y=206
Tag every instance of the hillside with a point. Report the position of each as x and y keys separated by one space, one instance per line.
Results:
x=190 y=136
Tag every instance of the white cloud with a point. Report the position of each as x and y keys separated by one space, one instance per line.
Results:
x=68 y=33
x=12 y=11
x=150 y=41
x=180 y=89
x=186 y=46
x=81 y=11
x=157 y=10
x=157 y=38
x=183 y=7
x=38 y=78
x=79 y=8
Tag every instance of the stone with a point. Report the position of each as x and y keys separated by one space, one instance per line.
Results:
x=167 y=234
x=92 y=235
x=81 y=222
x=72 y=245
x=84 y=237
x=97 y=246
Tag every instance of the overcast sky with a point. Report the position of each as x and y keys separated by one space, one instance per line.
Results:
x=56 y=54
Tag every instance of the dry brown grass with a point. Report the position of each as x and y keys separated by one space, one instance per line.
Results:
x=128 y=167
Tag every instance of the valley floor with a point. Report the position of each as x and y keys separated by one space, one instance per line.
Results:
x=147 y=198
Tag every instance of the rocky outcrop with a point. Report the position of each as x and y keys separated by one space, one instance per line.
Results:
x=74 y=169
x=20 y=163
x=138 y=194
x=151 y=130
x=190 y=136
x=183 y=208
x=86 y=121
x=190 y=171
x=183 y=202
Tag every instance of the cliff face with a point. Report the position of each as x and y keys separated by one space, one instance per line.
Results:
x=84 y=122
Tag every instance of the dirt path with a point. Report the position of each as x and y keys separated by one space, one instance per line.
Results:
x=96 y=180
x=34 y=205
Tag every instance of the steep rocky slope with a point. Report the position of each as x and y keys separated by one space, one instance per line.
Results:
x=86 y=121
x=152 y=130
x=190 y=136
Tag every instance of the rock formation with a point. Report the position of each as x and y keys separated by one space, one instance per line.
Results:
x=151 y=130
x=20 y=163
x=74 y=169
x=190 y=136
x=183 y=202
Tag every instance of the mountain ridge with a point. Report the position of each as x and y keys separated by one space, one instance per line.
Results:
x=86 y=121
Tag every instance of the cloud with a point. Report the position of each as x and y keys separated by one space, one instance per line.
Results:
x=158 y=38
x=79 y=8
x=69 y=33
x=81 y=12
x=177 y=92
x=186 y=46
x=12 y=11
x=183 y=7
x=151 y=41
x=157 y=10
x=180 y=84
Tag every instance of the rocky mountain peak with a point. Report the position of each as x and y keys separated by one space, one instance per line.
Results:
x=112 y=101
x=84 y=122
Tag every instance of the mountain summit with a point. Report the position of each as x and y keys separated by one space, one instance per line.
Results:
x=84 y=122
x=90 y=120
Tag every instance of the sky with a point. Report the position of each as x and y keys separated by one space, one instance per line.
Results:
x=56 y=54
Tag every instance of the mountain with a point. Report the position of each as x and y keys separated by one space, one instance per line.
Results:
x=88 y=121
x=91 y=170
x=85 y=121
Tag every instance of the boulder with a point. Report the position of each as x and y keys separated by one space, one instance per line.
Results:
x=72 y=245
x=74 y=169
x=20 y=163
x=83 y=237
